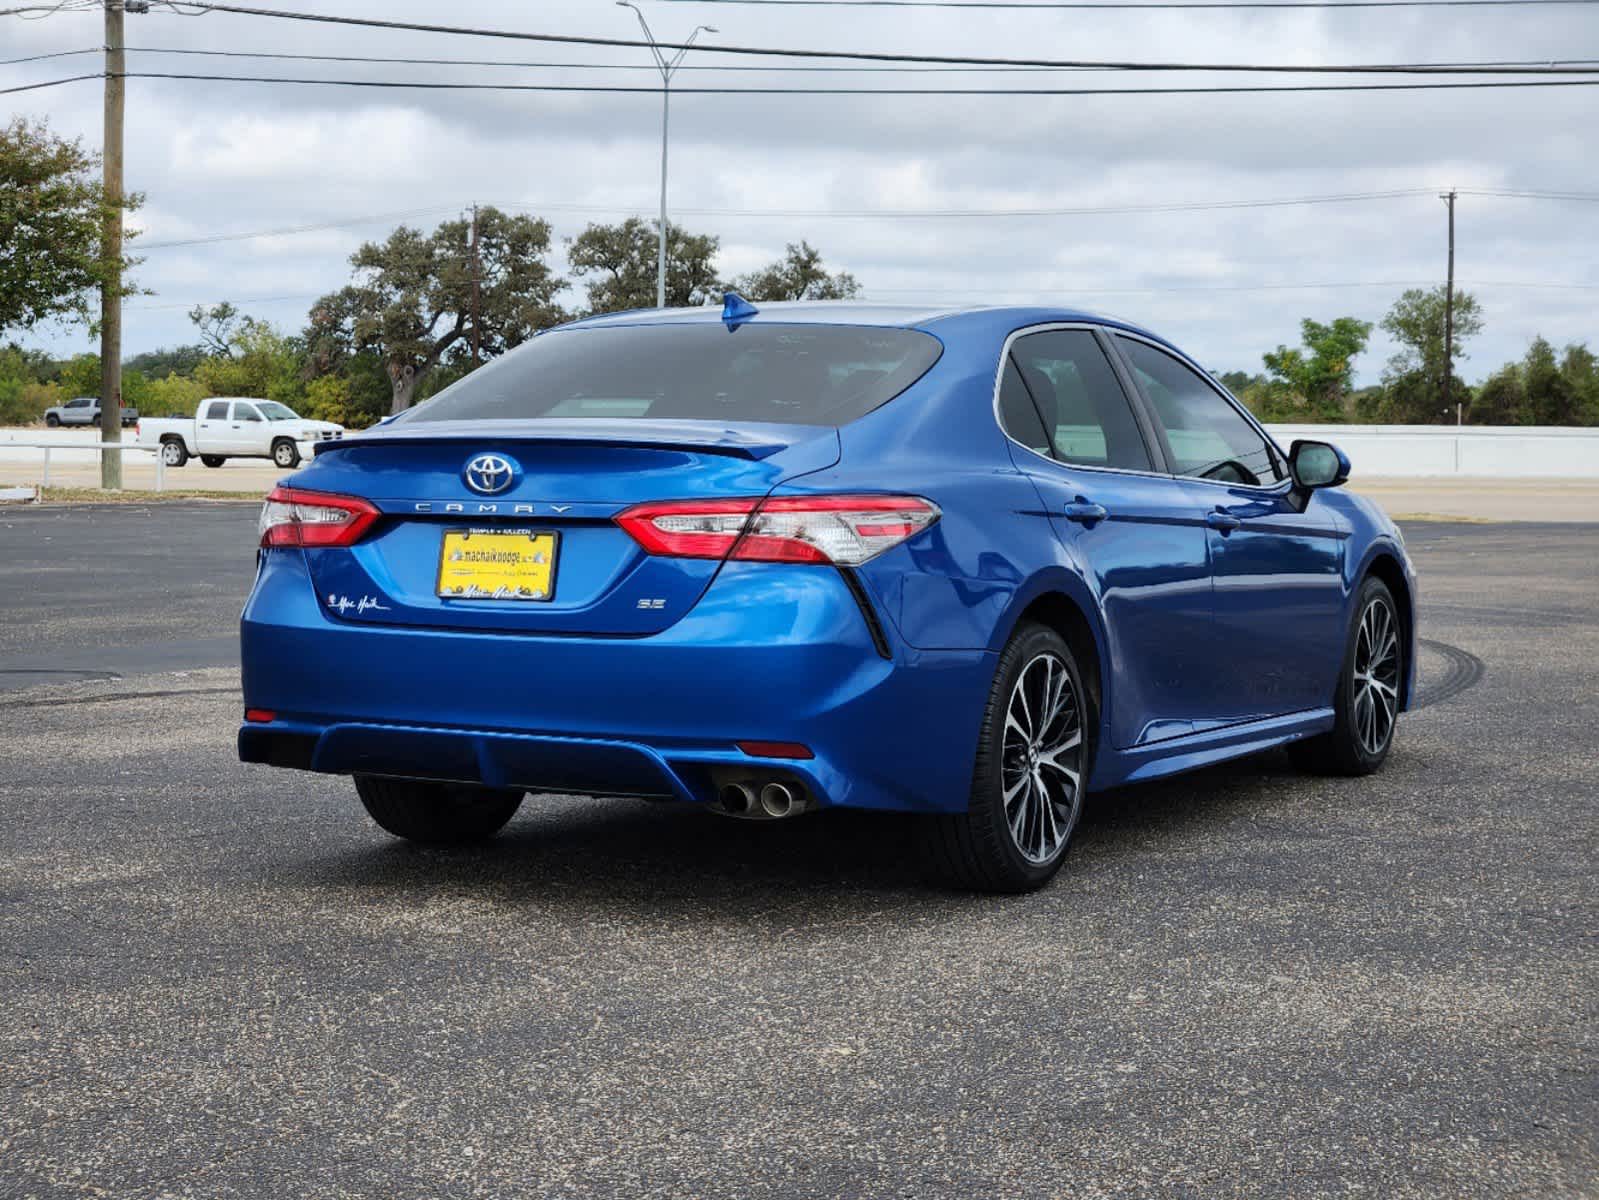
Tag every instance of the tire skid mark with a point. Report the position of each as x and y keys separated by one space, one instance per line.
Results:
x=1462 y=670
x=112 y=697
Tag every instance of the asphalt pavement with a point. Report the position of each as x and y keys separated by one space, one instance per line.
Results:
x=223 y=981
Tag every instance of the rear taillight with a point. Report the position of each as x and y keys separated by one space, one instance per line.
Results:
x=843 y=530
x=295 y=517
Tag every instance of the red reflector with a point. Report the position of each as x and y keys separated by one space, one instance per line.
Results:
x=776 y=750
x=260 y=714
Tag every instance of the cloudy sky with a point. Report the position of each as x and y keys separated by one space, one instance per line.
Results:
x=223 y=158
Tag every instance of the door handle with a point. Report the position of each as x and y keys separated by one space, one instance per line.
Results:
x=1225 y=522
x=1085 y=512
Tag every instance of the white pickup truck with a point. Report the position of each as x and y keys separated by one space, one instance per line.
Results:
x=227 y=427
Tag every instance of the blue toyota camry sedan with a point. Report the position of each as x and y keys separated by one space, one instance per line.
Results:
x=969 y=565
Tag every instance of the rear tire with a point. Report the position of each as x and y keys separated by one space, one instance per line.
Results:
x=437 y=813
x=1366 y=706
x=212 y=460
x=285 y=454
x=1032 y=759
x=174 y=453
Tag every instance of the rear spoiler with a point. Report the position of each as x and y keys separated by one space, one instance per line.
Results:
x=752 y=440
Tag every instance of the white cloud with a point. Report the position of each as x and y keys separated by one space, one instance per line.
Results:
x=216 y=158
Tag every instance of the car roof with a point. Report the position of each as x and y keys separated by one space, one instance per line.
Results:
x=938 y=320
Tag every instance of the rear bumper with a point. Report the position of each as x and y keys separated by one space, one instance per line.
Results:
x=770 y=653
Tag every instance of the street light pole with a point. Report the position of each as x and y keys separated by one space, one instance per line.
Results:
x=667 y=68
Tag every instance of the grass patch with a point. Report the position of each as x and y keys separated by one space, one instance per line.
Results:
x=77 y=495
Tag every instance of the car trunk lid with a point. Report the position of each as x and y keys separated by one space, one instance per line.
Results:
x=567 y=479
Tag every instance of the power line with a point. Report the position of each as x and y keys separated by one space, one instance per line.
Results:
x=897 y=214
x=11 y=62
x=876 y=56
x=1102 y=5
x=758 y=67
x=30 y=87
x=619 y=89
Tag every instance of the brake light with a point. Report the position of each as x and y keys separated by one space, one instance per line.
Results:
x=296 y=517
x=843 y=530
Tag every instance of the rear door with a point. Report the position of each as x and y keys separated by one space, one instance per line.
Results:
x=211 y=427
x=1137 y=533
x=246 y=430
x=1276 y=560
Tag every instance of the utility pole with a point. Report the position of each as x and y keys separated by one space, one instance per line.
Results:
x=477 y=295
x=1449 y=303
x=111 y=253
x=667 y=67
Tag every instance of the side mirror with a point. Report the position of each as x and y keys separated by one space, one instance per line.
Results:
x=1317 y=465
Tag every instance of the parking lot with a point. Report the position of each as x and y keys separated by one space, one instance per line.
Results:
x=224 y=981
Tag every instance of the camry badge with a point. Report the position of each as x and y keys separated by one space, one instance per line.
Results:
x=489 y=474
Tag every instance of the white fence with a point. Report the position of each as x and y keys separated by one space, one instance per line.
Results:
x=1480 y=451
x=1419 y=451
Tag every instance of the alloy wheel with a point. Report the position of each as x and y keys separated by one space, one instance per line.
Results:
x=1041 y=759
x=1376 y=677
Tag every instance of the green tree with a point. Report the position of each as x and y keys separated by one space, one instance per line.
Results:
x=52 y=210
x=618 y=264
x=412 y=300
x=260 y=362
x=1502 y=399
x=1551 y=399
x=1581 y=369
x=217 y=325
x=1318 y=377
x=176 y=395
x=158 y=364
x=1415 y=374
x=798 y=275
x=80 y=375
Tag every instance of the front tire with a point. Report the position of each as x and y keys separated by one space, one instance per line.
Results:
x=285 y=454
x=52 y=421
x=1027 y=782
x=1366 y=707
x=436 y=813
x=212 y=460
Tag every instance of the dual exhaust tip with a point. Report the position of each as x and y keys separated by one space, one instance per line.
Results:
x=772 y=801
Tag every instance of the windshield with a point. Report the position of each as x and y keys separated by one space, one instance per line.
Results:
x=273 y=411
x=789 y=374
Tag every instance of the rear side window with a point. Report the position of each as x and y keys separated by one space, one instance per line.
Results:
x=1209 y=438
x=1085 y=413
x=217 y=410
x=1018 y=414
x=793 y=374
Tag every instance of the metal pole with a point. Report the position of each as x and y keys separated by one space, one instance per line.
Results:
x=111 y=253
x=660 y=257
x=1449 y=304
x=667 y=70
x=46 y=467
x=477 y=296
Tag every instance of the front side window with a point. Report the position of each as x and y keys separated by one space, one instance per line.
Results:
x=790 y=374
x=217 y=410
x=245 y=412
x=1209 y=438
x=1079 y=401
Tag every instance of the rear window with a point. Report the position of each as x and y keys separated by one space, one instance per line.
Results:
x=792 y=374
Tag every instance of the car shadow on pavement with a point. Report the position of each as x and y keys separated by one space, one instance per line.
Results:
x=599 y=852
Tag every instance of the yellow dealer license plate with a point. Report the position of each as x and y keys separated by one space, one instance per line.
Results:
x=482 y=564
